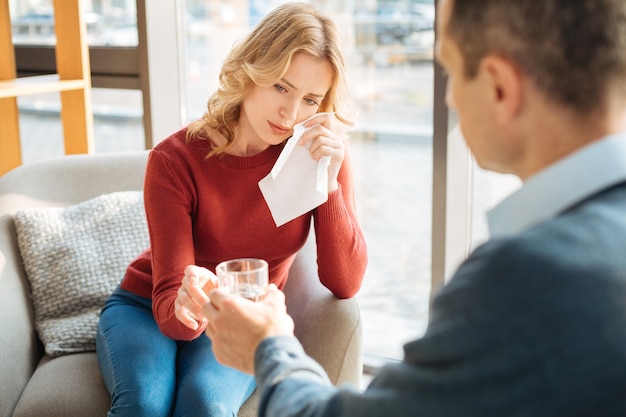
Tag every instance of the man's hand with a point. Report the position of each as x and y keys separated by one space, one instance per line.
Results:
x=237 y=325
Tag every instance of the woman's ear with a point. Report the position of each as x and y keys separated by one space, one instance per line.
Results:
x=506 y=83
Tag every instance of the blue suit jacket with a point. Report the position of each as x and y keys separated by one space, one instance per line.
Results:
x=533 y=325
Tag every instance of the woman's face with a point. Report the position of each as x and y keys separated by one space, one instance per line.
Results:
x=268 y=114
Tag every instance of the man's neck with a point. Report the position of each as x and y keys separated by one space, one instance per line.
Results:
x=555 y=135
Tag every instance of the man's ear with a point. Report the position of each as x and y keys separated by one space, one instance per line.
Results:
x=506 y=83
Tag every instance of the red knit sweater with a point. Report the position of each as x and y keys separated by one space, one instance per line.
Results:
x=203 y=211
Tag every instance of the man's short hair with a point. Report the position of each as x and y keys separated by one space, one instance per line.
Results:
x=574 y=50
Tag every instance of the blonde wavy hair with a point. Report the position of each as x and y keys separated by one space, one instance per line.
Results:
x=263 y=58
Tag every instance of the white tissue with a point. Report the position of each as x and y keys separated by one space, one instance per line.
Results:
x=297 y=183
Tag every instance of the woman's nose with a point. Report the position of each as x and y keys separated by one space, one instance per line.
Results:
x=289 y=111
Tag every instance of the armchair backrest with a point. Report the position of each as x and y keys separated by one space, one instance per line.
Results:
x=57 y=182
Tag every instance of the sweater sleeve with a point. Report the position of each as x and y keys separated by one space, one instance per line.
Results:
x=168 y=202
x=341 y=247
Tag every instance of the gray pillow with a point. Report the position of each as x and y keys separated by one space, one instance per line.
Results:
x=74 y=257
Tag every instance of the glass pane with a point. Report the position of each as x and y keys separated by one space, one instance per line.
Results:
x=118 y=123
x=109 y=22
x=41 y=132
x=389 y=46
x=32 y=21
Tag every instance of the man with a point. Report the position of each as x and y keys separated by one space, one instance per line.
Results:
x=534 y=322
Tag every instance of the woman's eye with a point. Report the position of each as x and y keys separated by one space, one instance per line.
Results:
x=280 y=88
x=311 y=102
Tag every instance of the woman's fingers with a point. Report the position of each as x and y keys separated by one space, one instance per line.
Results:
x=182 y=311
x=324 y=142
x=191 y=296
x=326 y=138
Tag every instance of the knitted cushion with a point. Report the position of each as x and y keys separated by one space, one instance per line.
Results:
x=74 y=257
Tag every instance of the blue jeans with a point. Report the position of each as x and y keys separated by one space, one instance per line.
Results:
x=149 y=374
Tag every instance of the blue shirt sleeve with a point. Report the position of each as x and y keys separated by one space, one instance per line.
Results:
x=290 y=382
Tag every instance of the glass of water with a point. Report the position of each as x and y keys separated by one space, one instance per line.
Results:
x=247 y=277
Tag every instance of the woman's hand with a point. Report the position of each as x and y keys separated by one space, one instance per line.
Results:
x=192 y=295
x=327 y=138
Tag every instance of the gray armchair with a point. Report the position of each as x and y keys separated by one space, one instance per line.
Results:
x=35 y=384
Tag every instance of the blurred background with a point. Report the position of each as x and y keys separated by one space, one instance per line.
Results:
x=389 y=48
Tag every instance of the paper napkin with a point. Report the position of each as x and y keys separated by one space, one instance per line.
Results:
x=297 y=183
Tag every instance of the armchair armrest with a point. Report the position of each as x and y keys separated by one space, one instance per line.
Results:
x=329 y=328
x=20 y=348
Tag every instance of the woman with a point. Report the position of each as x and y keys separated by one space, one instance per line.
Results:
x=203 y=205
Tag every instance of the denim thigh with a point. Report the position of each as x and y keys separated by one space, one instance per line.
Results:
x=204 y=384
x=138 y=363
x=149 y=374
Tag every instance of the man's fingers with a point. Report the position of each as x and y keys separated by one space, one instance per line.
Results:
x=274 y=295
x=218 y=295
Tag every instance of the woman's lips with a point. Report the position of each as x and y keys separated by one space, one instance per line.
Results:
x=279 y=130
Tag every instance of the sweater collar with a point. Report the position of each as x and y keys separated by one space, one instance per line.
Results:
x=266 y=157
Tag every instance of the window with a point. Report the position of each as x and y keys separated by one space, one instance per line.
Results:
x=118 y=111
x=109 y=23
x=118 y=124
